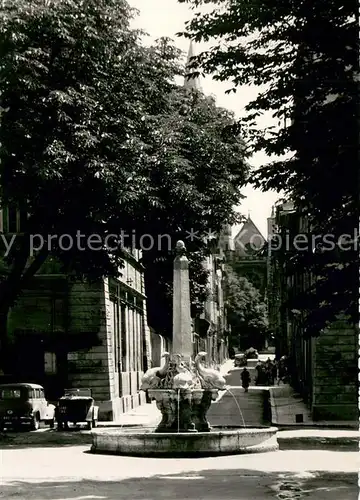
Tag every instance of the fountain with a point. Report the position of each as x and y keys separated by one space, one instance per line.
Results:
x=183 y=390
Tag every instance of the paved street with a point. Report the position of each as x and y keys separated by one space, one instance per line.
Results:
x=48 y=465
x=71 y=473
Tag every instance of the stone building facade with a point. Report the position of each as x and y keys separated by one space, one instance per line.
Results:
x=213 y=340
x=69 y=334
x=324 y=369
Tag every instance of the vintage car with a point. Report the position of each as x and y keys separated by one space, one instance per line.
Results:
x=240 y=360
x=24 y=404
x=76 y=406
x=251 y=353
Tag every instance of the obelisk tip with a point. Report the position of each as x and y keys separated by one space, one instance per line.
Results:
x=180 y=246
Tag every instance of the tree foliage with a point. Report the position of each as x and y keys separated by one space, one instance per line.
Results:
x=200 y=176
x=97 y=139
x=246 y=312
x=304 y=57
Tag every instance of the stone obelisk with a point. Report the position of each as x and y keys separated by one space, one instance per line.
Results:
x=182 y=332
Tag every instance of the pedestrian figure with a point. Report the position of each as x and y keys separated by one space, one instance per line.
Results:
x=259 y=370
x=267 y=374
x=282 y=370
x=273 y=373
x=245 y=379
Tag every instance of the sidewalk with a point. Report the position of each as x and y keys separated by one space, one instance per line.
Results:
x=146 y=415
x=286 y=405
x=324 y=439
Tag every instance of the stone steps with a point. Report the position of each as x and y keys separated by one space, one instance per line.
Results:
x=233 y=377
x=226 y=412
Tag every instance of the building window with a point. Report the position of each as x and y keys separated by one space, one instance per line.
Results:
x=135 y=337
x=124 y=363
x=113 y=290
x=128 y=327
x=58 y=314
x=120 y=329
x=117 y=339
x=50 y=363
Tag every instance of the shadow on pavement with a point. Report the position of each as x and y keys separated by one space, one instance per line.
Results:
x=206 y=485
x=43 y=438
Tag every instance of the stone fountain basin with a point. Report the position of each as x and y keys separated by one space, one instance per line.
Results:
x=147 y=443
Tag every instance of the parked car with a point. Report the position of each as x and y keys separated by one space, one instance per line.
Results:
x=25 y=404
x=240 y=360
x=251 y=353
x=76 y=406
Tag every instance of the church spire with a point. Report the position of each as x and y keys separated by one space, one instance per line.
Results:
x=191 y=83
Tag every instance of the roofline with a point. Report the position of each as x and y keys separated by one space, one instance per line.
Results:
x=249 y=219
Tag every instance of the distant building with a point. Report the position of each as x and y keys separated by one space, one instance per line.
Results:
x=248 y=258
x=71 y=334
x=276 y=278
x=191 y=83
x=211 y=328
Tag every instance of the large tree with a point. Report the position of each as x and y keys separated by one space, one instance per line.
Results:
x=246 y=312
x=201 y=173
x=304 y=55
x=90 y=145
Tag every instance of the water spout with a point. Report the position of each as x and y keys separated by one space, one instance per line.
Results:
x=238 y=406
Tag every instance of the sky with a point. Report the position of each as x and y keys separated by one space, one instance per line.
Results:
x=166 y=18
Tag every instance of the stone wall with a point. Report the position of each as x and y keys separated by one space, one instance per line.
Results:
x=33 y=311
x=86 y=308
x=89 y=367
x=73 y=322
x=335 y=384
x=115 y=392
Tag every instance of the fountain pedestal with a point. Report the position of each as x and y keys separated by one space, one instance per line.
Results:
x=184 y=391
x=183 y=410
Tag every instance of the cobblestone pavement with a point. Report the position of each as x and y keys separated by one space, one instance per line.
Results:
x=72 y=473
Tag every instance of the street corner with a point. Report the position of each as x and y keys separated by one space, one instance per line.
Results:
x=319 y=439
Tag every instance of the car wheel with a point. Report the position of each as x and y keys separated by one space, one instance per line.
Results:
x=35 y=424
